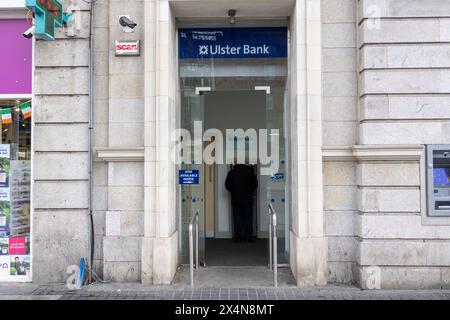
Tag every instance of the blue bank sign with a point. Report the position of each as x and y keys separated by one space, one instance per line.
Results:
x=225 y=43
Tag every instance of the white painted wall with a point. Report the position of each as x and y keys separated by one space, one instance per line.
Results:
x=12 y=9
x=12 y=4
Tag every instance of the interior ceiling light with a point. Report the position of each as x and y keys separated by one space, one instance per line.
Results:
x=232 y=15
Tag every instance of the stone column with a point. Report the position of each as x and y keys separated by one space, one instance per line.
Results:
x=160 y=243
x=340 y=115
x=149 y=142
x=308 y=245
x=124 y=231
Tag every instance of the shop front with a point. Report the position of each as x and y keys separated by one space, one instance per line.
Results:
x=15 y=150
x=106 y=187
x=347 y=142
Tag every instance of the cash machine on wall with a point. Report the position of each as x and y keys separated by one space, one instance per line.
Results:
x=438 y=172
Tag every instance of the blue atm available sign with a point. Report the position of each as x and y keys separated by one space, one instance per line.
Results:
x=226 y=43
x=189 y=177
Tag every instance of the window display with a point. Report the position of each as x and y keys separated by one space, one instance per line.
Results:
x=15 y=186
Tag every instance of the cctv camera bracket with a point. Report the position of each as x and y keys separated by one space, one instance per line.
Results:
x=29 y=33
x=126 y=29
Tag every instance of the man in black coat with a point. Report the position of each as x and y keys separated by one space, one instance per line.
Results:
x=242 y=183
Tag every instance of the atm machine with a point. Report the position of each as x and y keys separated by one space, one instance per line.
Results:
x=438 y=179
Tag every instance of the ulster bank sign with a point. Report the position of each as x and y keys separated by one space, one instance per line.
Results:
x=226 y=43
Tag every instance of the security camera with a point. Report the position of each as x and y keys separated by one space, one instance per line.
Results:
x=29 y=33
x=232 y=15
x=126 y=22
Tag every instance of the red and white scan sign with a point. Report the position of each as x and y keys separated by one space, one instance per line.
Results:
x=128 y=48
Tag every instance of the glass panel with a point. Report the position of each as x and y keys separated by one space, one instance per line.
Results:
x=192 y=195
x=15 y=175
x=276 y=183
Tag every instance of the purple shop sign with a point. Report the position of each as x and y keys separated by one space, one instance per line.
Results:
x=15 y=57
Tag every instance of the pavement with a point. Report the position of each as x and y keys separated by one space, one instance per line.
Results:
x=213 y=283
x=137 y=291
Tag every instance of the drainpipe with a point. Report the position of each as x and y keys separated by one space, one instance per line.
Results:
x=90 y=139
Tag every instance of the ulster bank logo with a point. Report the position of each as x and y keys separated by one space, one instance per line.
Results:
x=203 y=50
x=237 y=51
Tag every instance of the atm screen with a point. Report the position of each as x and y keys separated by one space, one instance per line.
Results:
x=441 y=177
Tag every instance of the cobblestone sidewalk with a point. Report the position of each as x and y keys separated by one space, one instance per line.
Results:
x=134 y=291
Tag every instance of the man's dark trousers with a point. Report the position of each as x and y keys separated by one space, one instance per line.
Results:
x=242 y=221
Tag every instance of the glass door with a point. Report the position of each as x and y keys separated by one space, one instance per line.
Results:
x=277 y=182
x=192 y=190
x=253 y=106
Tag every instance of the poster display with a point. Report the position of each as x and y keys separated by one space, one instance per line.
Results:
x=4 y=246
x=20 y=185
x=4 y=267
x=15 y=262
x=19 y=266
x=5 y=204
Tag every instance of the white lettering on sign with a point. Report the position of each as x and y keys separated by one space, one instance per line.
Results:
x=228 y=50
x=128 y=48
x=256 y=50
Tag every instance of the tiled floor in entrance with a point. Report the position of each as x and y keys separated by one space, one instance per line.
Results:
x=234 y=277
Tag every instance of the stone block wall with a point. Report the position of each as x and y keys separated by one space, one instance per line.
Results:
x=123 y=81
x=60 y=166
x=382 y=89
x=60 y=221
x=403 y=101
x=339 y=116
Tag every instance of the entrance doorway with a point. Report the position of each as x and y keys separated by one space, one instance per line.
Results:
x=227 y=110
x=224 y=94
x=224 y=110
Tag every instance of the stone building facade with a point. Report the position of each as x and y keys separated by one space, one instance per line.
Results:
x=368 y=91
